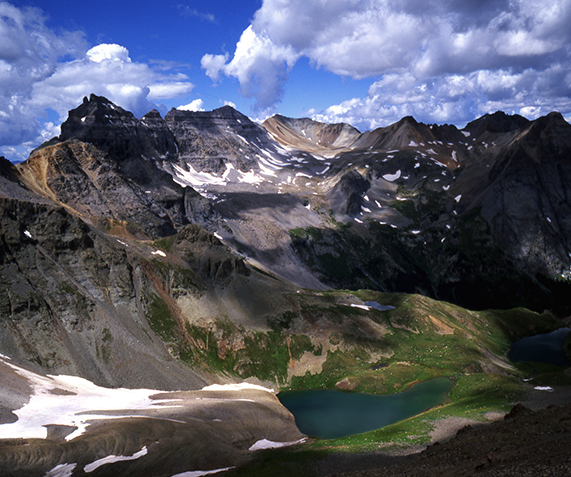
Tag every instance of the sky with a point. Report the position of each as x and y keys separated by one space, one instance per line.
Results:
x=365 y=62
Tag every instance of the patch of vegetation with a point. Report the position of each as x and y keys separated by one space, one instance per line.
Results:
x=230 y=349
x=161 y=320
x=66 y=288
x=166 y=243
x=282 y=321
x=107 y=339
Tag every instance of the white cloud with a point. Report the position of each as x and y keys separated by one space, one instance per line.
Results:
x=213 y=64
x=29 y=53
x=454 y=98
x=436 y=58
x=34 y=77
x=196 y=105
x=260 y=65
x=108 y=52
x=107 y=70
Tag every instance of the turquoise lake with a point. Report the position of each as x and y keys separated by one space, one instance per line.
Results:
x=332 y=414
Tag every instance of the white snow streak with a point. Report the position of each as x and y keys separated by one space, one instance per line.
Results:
x=113 y=458
x=266 y=444
x=392 y=177
x=200 y=473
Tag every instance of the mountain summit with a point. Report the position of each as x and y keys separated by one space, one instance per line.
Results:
x=204 y=248
x=484 y=210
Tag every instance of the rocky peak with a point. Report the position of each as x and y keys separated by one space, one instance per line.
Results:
x=118 y=132
x=547 y=139
x=498 y=122
x=209 y=140
x=7 y=169
x=95 y=112
x=224 y=116
x=289 y=130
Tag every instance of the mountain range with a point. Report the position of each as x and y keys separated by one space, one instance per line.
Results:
x=172 y=253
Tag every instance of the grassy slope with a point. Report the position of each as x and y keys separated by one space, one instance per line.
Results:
x=363 y=350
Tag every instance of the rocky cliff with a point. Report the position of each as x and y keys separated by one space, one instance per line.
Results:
x=484 y=208
x=173 y=253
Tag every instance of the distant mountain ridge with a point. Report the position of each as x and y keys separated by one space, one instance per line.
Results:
x=484 y=211
x=172 y=253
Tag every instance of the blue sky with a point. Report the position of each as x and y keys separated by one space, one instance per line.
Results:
x=366 y=62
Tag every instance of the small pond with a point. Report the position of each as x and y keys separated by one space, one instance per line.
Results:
x=332 y=414
x=544 y=348
x=378 y=306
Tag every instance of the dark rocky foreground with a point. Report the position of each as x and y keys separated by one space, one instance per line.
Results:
x=525 y=442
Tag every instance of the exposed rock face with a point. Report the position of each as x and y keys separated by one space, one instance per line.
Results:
x=117 y=132
x=527 y=204
x=310 y=135
x=484 y=208
x=208 y=141
x=85 y=179
x=73 y=301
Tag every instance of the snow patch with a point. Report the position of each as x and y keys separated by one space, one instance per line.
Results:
x=83 y=396
x=412 y=144
x=362 y=307
x=236 y=387
x=358 y=221
x=266 y=444
x=454 y=156
x=365 y=209
x=200 y=473
x=466 y=133
x=159 y=252
x=114 y=458
x=200 y=179
x=27 y=234
x=458 y=197
x=62 y=470
x=543 y=388
x=392 y=177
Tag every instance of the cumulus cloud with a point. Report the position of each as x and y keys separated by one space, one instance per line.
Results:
x=29 y=53
x=42 y=70
x=261 y=66
x=447 y=59
x=196 y=105
x=107 y=70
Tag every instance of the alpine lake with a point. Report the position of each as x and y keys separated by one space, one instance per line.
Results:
x=329 y=414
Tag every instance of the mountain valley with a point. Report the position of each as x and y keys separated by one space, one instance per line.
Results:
x=206 y=249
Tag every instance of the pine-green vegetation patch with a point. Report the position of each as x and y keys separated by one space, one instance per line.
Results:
x=160 y=319
x=166 y=243
x=232 y=349
x=368 y=350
